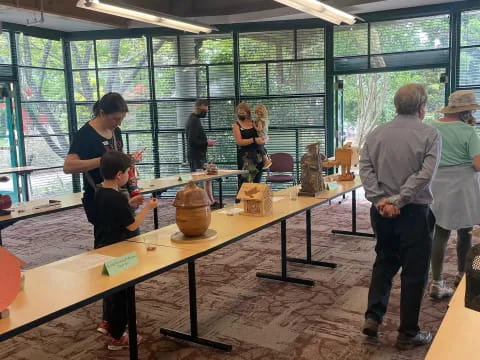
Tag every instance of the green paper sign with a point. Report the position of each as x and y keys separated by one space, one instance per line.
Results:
x=332 y=185
x=120 y=264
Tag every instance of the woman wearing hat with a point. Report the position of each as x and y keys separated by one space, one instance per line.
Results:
x=456 y=186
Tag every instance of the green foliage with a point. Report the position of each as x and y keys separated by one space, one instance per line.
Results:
x=274 y=45
x=350 y=40
x=5 y=53
x=393 y=81
x=410 y=35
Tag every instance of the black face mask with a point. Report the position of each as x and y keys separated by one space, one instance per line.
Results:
x=241 y=117
x=202 y=114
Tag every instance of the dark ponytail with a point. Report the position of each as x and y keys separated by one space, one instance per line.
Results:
x=109 y=103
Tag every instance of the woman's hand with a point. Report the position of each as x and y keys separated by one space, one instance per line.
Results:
x=136 y=201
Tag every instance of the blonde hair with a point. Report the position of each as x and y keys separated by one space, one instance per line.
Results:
x=261 y=112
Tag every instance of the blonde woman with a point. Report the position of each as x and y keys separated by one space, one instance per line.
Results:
x=261 y=125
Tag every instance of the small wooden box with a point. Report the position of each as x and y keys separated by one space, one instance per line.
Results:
x=257 y=199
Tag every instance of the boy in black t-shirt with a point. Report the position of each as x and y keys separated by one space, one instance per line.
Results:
x=113 y=223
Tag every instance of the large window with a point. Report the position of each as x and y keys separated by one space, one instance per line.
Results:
x=375 y=59
x=469 y=72
x=186 y=68
x=392 y=45
x=116 y=65
x=284 y=70
x=44 y=112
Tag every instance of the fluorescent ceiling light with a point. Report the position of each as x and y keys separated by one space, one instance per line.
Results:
x=143 y=15
x=318 y=9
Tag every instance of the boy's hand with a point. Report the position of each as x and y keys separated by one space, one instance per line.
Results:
x=153 y=203
x=136 y=201
x=212 y=142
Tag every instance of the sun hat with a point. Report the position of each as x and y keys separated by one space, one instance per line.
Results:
x=459 y=101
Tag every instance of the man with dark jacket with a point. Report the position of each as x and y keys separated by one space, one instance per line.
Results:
x=197 y=142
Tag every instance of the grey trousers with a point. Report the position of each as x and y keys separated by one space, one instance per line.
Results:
x=440 y=241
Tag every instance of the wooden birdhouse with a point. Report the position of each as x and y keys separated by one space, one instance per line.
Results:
x=257 y=199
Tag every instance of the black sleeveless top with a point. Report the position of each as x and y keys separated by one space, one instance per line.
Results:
x=251 y=149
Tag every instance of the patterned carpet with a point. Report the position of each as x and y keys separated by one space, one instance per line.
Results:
x=262 y=319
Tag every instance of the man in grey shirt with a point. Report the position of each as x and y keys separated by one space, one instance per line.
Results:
x=398 y=163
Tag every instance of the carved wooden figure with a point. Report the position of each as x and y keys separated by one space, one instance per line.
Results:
x=345 y=157
x=312 y=176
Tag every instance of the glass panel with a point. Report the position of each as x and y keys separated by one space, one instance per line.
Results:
x=45 y=119
x=469 y=66
x=132 y=84
x=171 y=148
x=222 y=113
x=5 y=53
x=41 y=85
x=39 y=52
x=54 y=182
x=83 y=55
x=221 y=81
x=46 y=151
x=350 y=40
x=226 y=150
x=296 y=78
x=410 y=34
x=470 y=28
x=310 y=43
x=174 y=114
x=206 y=49
x=275 y=45
x=253 y=79
x=122 y=52
x=85 y=85
x=165 y=50
x=344 y=64
x=420 y=59
x=84 y=114
x=180 y=82
x=368 y=99
x=138 y=117
x=136 y=141
x=285 y=112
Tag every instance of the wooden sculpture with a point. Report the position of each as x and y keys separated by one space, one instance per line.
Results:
x=257 y=199
x=345 y=157
x=312 y=176
x=211 y=169
x=193 y=214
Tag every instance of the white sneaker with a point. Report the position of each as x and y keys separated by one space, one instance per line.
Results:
x=458 y=278
x=439 y=290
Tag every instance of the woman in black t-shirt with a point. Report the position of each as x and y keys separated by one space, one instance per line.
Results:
x=97 y=136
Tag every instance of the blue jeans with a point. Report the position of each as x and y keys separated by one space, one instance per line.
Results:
x=402 y=242
x=196 y=164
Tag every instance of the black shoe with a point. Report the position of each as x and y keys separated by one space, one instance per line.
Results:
x=406 y=342
x=370 y=327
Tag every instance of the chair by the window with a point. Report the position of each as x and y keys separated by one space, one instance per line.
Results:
x=281 y=163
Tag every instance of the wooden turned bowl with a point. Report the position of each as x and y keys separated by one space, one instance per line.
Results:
x=193 y=213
